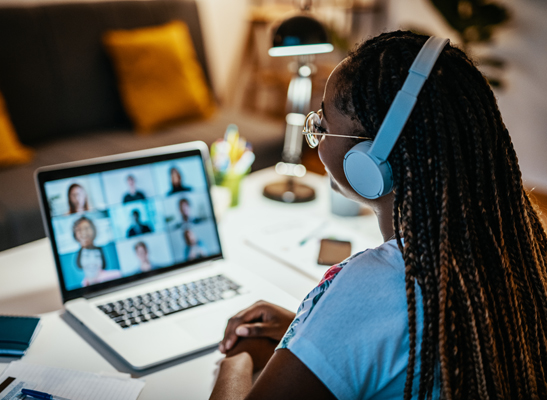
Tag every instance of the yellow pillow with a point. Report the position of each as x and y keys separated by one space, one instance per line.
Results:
x=11 y=150
x=159 y=77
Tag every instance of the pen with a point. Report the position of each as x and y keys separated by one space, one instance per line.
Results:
x=40 y=395
x=312 y=234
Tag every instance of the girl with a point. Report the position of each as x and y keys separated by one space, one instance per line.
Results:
x=453 y=304
x=90 y=258
x=77 y=199
x=177 y=184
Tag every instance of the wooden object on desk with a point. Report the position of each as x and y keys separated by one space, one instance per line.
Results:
x=540 y=199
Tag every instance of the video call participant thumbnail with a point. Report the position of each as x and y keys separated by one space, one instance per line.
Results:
x=194 y=248
x=137 y=227
x=133 y=193
x=186 y=213
x=141 y=250
x=90 y=258
x=177 y=184
x=77 y=199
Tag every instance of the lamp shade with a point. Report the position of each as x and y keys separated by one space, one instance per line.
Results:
x=300 y=35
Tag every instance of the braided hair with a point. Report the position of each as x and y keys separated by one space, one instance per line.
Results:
x=473 y=241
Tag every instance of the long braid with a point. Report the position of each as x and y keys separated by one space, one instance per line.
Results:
x=468 y=232
x=410 y=276
x=462 y=251
x=494 y=232
x=426 y=235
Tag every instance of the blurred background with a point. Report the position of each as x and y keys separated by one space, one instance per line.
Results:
x=506 y=38
x=68 y=82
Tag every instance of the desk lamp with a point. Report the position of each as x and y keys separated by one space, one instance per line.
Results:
x=301 y=36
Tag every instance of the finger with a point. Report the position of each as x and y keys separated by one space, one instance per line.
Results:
x=260 y=329
x=230 y=337
x=229 y=340
x=251 y=313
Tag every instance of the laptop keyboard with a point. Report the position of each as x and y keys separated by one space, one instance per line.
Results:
x=141 y=309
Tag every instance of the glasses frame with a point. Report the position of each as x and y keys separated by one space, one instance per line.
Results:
x=307 y=134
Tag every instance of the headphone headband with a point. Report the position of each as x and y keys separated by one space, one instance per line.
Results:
x=406 y=98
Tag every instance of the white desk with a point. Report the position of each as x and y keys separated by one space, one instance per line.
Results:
x=28 y=284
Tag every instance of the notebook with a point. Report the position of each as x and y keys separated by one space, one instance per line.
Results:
x=66 y=383
x=138 y=253
x=16 y=334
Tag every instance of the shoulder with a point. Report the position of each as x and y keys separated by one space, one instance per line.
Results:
x=367 y=269
x=354 y=333
x=357 y=277
x=383 y=263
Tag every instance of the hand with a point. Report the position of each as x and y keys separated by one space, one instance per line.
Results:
x=260 y=350
x=262 y=319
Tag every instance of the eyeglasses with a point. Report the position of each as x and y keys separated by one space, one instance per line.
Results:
x=314 y=132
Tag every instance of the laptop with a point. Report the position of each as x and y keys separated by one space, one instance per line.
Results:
x=138 y=253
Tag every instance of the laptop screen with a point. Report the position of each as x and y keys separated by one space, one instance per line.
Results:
x=116 y=221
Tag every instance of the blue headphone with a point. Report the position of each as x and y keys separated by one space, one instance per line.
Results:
x=365 y=165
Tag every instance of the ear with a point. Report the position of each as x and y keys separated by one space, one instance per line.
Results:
x=365 y=165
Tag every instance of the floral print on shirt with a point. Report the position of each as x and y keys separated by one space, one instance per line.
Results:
x=309 y=302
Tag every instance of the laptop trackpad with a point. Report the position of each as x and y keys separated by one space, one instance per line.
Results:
x=208 y=327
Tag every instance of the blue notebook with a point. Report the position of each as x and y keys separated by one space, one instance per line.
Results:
x=16 y=334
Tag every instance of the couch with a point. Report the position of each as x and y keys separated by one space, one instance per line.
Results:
x=62 y=97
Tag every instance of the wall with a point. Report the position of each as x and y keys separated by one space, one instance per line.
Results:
x=523 y=103
x=224 y=28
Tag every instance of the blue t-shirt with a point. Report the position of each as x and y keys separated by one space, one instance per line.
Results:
x=351 y=331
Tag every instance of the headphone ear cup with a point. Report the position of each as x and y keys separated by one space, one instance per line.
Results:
x=369 y=177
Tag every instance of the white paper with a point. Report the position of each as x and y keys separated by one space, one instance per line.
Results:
x=296 y=241
x=73 y=384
